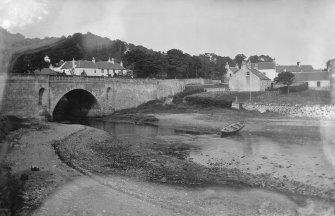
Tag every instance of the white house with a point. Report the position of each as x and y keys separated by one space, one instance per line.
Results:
x=92 y=68
x=249 y=79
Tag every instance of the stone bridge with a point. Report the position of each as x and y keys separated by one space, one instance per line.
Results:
x=56 y=95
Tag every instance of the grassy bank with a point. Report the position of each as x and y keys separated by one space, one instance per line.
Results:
x=307 y=97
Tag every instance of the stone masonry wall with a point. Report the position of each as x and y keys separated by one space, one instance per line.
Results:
x=316 y=111
x=20 y=93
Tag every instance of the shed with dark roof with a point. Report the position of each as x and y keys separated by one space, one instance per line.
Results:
x=317 y=80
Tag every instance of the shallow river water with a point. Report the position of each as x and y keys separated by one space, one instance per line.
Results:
x=298 y=160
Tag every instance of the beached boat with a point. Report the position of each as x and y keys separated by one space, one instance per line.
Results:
x=232 y=128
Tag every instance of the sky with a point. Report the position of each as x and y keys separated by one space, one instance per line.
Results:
x=288 y=30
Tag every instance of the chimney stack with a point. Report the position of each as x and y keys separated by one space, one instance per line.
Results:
x=298 y=64
x=113 y=61
x=93 y=59
x=121 y=63
x=109 y=59
x=256 y=66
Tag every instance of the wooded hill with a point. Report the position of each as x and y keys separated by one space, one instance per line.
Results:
x=23 y=55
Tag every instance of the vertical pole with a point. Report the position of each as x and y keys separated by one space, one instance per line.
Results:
x=250 y=87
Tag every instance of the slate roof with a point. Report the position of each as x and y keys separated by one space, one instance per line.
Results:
x=311 y=76
x=307 y=68
x=289 y=68
x=259 y=74
x=85 y=64
x=233 y=69
x=264 y=65
x=109 y=65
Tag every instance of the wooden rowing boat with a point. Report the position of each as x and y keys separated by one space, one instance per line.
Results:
x=232 y=128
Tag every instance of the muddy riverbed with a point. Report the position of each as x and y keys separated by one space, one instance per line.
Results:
x=177 y=164
x=285 y=155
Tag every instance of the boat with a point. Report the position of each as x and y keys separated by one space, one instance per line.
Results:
x=232 y=128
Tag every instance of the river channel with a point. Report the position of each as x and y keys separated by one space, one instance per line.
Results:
x=246 y=151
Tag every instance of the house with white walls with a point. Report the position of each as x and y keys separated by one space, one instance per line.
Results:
x=92 y=68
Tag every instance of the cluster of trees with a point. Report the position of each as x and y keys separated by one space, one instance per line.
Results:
x=143 y=61
x=177 y=64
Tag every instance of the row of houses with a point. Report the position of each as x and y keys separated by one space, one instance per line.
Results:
x=260 y=76
x=108 y=68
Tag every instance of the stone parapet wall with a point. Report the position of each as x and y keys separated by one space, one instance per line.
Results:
x=314 y=111
x=201 y=81
x=20 y=94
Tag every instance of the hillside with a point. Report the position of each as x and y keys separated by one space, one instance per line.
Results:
x=24 y=55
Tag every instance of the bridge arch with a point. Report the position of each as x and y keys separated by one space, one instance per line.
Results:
x=76 y=103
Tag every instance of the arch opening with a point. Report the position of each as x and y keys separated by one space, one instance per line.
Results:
x=76 y=104
x=40 y=96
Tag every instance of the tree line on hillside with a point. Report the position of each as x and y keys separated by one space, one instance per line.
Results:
x=177 y=64
x=144 y=62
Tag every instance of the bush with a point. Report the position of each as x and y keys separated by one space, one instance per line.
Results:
x=294 y=88
x=209 y=102
x=178 y=98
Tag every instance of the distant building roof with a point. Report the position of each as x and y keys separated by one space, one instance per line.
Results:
x=109 y=65
x=233 y=69
x=68 y=65
x=259 y=74
x=264 y=65
x=85 y=64
x=91 y=64
x=288 y=68
x=307 y=68
x=311 y=76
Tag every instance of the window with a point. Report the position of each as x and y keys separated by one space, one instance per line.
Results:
x=63 y=71
x=248 y=73
x=102 y=70
x=230 y=75
x=318 y=83
x=95 y=71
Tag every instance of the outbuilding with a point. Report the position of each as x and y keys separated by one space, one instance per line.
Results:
x=316 y=80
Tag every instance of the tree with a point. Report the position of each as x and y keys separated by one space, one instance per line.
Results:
x=239 y=58
x=261 y=58
x=286 y=78
x=177 y=66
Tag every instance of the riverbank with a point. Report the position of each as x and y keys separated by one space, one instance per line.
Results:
x=67 y=152
x=30 y=145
